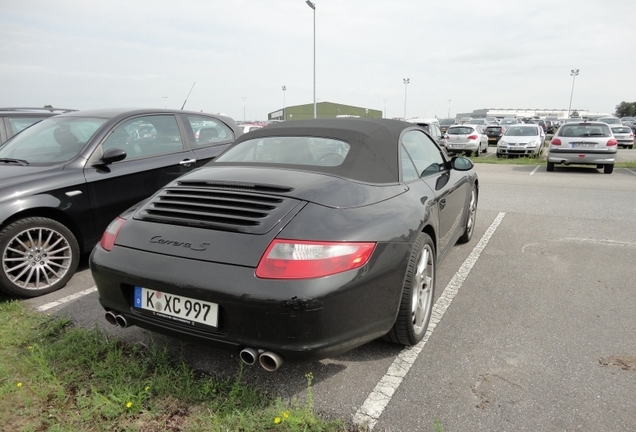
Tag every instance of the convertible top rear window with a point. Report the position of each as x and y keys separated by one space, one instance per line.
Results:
x=311 y=151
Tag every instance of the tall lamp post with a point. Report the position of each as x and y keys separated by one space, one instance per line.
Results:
x=449 y=101
x=284 y=104
x=164 y=101
x=406 y=83
x=574 y=73
x=385 y=107
x=313 y=6
x=244 y=98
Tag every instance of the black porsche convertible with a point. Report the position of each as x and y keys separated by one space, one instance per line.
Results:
x=302 y=241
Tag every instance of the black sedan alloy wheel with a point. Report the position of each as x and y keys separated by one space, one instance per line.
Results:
x=39 y=256
x=417 y=295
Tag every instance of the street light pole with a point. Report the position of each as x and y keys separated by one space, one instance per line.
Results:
x=406 y=83
x=574 y=73
x=164 y=101
x=385 y=107
x=449 y=101
x=244 y=98
x=313 y=6
x=284 y=104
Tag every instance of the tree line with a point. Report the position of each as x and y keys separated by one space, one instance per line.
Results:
x=625 y=109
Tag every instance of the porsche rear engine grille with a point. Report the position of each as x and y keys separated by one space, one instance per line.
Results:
x=212 y=208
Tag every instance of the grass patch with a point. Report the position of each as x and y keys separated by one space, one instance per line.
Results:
x=56 y=377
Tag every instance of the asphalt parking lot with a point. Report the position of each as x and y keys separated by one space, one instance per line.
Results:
x=534 y=323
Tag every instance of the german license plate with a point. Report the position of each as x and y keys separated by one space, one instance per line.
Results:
x=176 y=308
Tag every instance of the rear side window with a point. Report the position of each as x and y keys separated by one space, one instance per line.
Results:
x=209 y=131
x=584 y=130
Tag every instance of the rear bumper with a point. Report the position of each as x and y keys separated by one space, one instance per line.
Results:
x=299 y=319
x=581 y=156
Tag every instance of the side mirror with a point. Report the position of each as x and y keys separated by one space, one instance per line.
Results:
x=461 y=163
x=112 y=155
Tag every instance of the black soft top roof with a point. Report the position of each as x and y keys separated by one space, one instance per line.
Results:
x=373 y=156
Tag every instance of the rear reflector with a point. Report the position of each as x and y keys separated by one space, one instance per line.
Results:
x=294 y=259
x=110 y=235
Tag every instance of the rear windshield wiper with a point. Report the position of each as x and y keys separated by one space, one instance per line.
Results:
x=15 y=161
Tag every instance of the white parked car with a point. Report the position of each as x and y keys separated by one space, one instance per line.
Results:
x=587 y=143
x=466 y=138
x=521 y=140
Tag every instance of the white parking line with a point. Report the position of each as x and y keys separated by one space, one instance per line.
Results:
x=630 y=171
x=376 y=402
x=535 y=170
x=66 y=299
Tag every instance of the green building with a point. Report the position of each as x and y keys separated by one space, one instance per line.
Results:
x=323 y=110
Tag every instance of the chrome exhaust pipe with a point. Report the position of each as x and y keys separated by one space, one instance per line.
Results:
x=121 y=321
x=248 y=356
x=270 y=361
x=111 y=318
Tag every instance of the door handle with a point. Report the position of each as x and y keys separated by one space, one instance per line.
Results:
x=442 y=203
x=187 y=162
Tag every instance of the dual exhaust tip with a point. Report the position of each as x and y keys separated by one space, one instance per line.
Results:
x=270 y=361
x=116 y=320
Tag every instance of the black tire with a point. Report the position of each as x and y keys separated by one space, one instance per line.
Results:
x=485 y=149
x=418 y=294
x=476 y=152
x=608 y=169
x=499 y=155
x=44 y=246
x=550 y=166
x=471 y=217
x=630 y=147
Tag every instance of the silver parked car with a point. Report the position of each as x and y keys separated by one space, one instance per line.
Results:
x=521 y=140
x=588 y=143
x=624 y=135
x=611 y=121
x=466 y=138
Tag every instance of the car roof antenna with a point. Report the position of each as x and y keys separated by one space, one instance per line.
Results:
x=186 y=100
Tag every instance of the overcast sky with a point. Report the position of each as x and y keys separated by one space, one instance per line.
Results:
x=485 y=54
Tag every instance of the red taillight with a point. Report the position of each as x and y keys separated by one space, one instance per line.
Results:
x=555 y=141
x=472 y=137
x=108 y=238
x=293 y=259
x=612 y=142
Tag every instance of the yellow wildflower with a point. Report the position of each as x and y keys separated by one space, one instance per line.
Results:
x=19 y=384
x=285 y=414
x=277 y=420
x=128 y=404
x=147 y=388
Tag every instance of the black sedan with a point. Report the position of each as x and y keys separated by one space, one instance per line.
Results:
x=64 y=179
x=302 y=241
